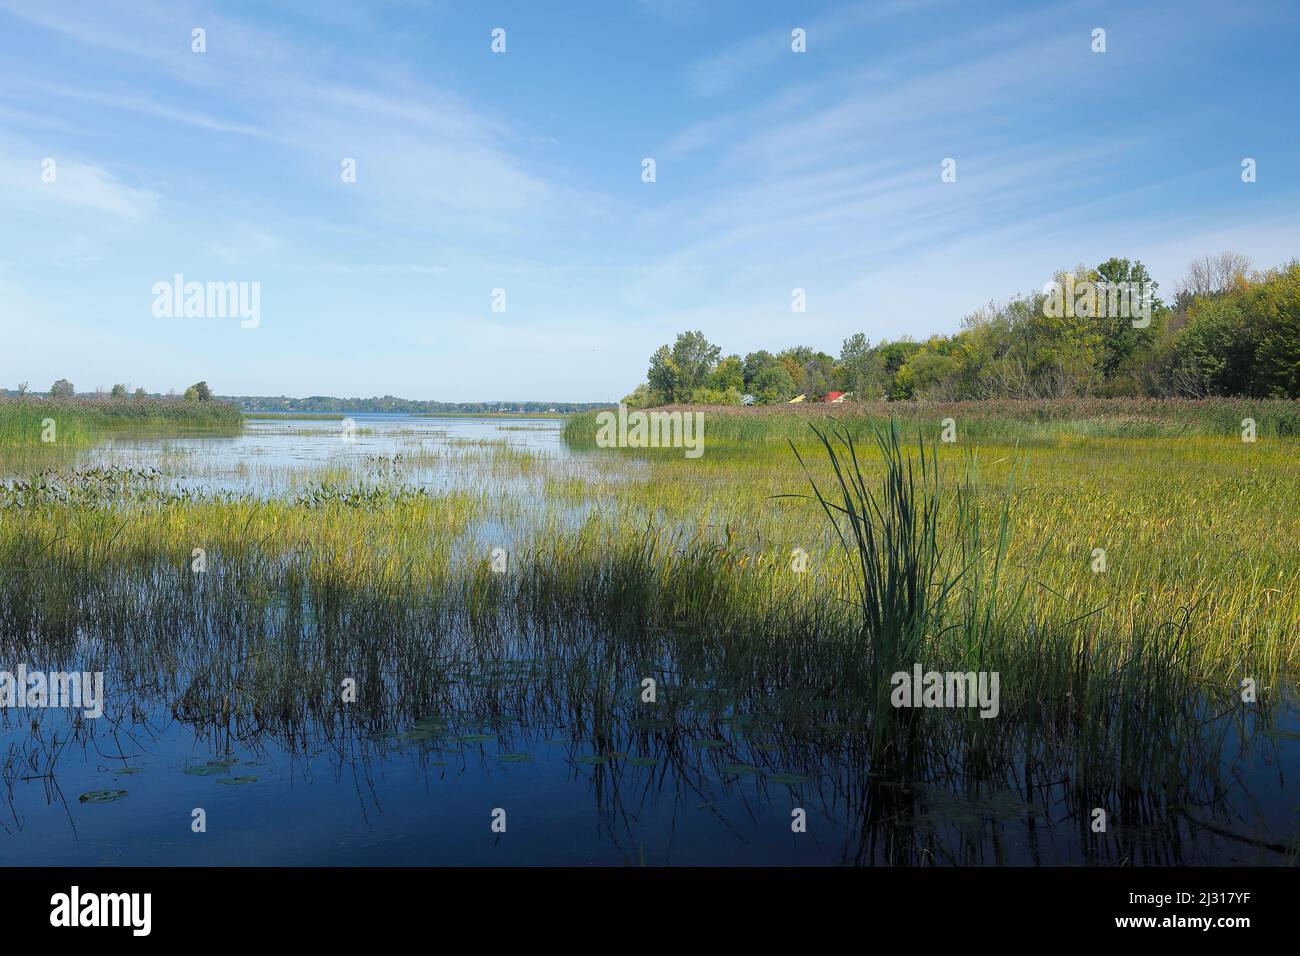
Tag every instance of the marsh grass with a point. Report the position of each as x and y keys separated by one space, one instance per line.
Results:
x=1114 y=687
x=1007 y=419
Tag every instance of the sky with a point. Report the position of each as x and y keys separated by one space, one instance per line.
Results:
x=524 y=171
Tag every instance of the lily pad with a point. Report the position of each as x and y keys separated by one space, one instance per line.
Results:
x=102 y=796
x=515 y=758
x=593 y=760
x=642 y=761
x=237 y=781
x=126 y=771
x=205 y=770
x=419 y=735
x=740 y=769
x=711 y=744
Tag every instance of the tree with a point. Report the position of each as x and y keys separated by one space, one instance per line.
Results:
x=773 y=384
x=22 y=388
x=1120 y=339
x=694 y=357
x=893 y=355
x=677 y=373
x=62 y=389
x=663 y=376
x=198 y=392
x=1243 y=341
x=812 y=371
x=119 y=391
x=1209 y=275
x=640 y=397
x=139 y=393
x=754 y=363
x=933 y=371
x=859 y=370
x=1275 y=308
x=729 y=374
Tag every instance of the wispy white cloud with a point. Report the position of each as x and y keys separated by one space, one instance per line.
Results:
x=73 y=186
x=722 y=71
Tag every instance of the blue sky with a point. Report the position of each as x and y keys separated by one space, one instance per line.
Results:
x=522 y=171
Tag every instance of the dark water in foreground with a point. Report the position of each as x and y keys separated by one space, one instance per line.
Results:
x=704 y=785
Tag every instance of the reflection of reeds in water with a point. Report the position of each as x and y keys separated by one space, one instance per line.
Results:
x=449 y=692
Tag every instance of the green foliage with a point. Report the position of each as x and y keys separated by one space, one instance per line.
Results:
x=79 y=420
x=772 y=385
x=860 y=370
x=694 y=358
x=1229 y=334
x=1244 y=341
x=729 y=374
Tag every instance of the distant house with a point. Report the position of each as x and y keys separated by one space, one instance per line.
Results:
x=795 y=400
x=747 y=399
x=835 y=398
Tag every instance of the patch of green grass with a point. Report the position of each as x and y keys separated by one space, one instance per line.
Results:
x=76 y=422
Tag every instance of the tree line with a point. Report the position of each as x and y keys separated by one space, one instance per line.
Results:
x=1229 y=330
x=198 y=392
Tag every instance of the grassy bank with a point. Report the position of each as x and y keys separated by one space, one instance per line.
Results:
x=1006 y=419
x=78 y=421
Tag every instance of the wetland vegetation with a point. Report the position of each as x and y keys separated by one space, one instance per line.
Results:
x=230 y=585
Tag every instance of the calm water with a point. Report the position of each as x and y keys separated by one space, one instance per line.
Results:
x=585 y=776
x=271 y=457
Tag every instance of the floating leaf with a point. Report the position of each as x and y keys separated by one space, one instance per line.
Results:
x=711 y=744
x=642 y=761
x=102 y=796
x=515 y=758
x=593 y=760
x=205 y=770
x=740 y=769
x=418 y=735
x=237 y=781
x=126 y=771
